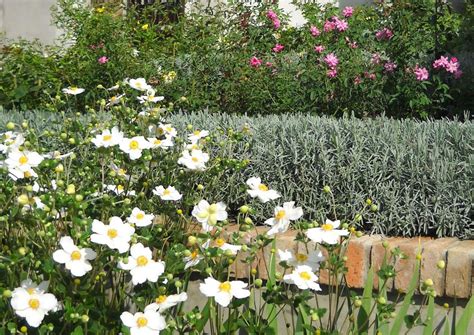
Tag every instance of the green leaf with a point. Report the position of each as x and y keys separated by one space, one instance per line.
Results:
x=272 y=308
x=397 y=323
x=363 y=315
x=463 y=324
x=77 y=331
x=303 y=319
x=204 y=317
x=428 y=330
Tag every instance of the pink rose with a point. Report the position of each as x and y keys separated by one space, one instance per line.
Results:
x=276 y=23
x=384 y=34
x=103 y=60
x=319 y=48
x=314 y=31
x=442 y=62
x=272 y=15
x=331 y=60
x=389 y=66
x=331 y=73
x=347 y=11
x=421 y=73
x=328 y=26
x=341 y=25
x=278 y=47
x=255 y=62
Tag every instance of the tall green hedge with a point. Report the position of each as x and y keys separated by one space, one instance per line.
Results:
x=419 y=174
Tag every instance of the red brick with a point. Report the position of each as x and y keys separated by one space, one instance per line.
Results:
x=405 y=268
x=358 y=259
x=459 y=270
x=434 y=251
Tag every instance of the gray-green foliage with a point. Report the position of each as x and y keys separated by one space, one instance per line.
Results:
x=419 y=174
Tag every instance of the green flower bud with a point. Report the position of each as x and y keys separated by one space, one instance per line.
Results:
x=71 y=189
x=7 y=294
x=326 y=189
x=10 y=125
x=441 y=264
x=23 y=199
x=258 y=282
x=244 y=209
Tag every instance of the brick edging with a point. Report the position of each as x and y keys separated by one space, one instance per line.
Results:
x=455 y=280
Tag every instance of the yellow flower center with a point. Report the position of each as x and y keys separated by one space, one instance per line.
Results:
x=197 y=132
x=212 y=209
x=23 y=160
x=169 y=129
x=76 y=255
x=121 y=172
x=220 y=242
x=140 y=216
x=142 y=322
x=133 y=145
x=194 y=254
x=301 y=258
x=120 y=188
x=225 y=287
x=327 y=227
x=263 y=187
x=166 y=192
x=280 y=215
x=27 y=174
x=138 y=84
x=195 y=159
x=305 y=275
x=30 y=290
x=161 y=299
x=34 y=303
x=74 y=89
x=142 y=261
x=157 y=142
x=112 y=233
x=107 y=137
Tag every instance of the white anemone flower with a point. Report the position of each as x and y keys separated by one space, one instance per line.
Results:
x=196 y=160
x=313 y=259
x=108 y=138
x=121 y=172
x=222 y=244
x=167 y=129
x=139 y=84
x=142 y=266
x=115 y=235
x=223 y=292
x=114 y=100
x=164 y=302
x=148 y=323
x=283 y=215
x=169 y=193
x=260 y=190
x=193 y=146
x=150 y=98
x=197 y=135
x=32 y=302
x=21 y=163
x=140 y=218
x=134 y=146
x=11 y=142
x=73 y=90
x=119 y=190
x=303 y=277
x=75 y=259
x=327 y=233
x=208 y=215
x=165 y=143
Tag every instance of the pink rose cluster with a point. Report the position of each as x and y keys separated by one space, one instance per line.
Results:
x=331 y=60
x=335 y=23
x=421 y=73
x=347 y=11
x=103 y=60
x=390 y=66
x=274 y=18
x=450 y=65
x=314 y=31
x=255 y=62
x=384 y=34
x=278 y=48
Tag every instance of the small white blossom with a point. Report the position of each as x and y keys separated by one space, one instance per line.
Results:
x=32 y=302
x=169 y=193
x=116 y=235
x=134 y=146
x=208 y=215
x=75 y=259
x=303 y=277
x=140 y=218
x=167 y=129
x=108 y=138
x=73 y=90
x=222 y=244
x=196 y=160
x=260 y=190
x=139 y=84
x=164 y=302
x=165 y=143
x=223 y=292
x=21 y=163
x=119 y=190
x=327 y=233
x=11 y=142
x=283 y=215
x=313 y=259
x=197 y=135
x=148 y=323
x=142 y=266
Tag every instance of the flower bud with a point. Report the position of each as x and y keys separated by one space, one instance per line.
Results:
x=326 y=189
x=441 y=264
x=7 y=294
x=382 y=300
x=71 y=189
x=374 y=208
x=258 y=282
x=368 y=202
x=358 y=218
x=428 y=282
x=248 y=220
x=244 y=209
x=10 y=125
x=24 y=329
x=85 y=318
x=358 y=303
x=23 y=199
x=59 y=168
x=192 y=240
x=22 y=251
x=315 y=317
x=200 y=187
x=178 y=284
